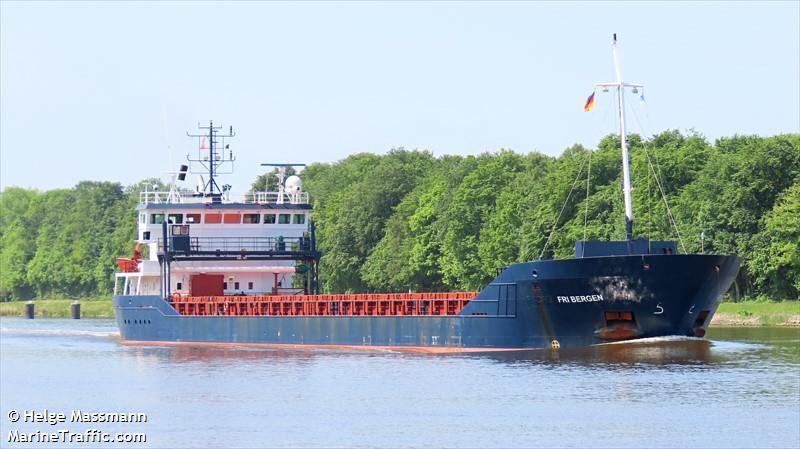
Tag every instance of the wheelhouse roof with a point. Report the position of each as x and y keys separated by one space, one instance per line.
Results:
x=223 y=206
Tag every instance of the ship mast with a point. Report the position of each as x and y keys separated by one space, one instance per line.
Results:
x=623 y=136
x=216 y=157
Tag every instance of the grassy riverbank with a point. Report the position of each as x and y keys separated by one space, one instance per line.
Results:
x=758 y=313
x=746 y=313
x=59 y=308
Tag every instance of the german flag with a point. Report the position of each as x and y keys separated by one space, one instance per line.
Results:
x=589 y=103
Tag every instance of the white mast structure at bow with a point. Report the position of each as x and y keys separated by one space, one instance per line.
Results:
x=626 y=171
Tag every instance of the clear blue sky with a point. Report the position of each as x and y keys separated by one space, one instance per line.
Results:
x=99 y=91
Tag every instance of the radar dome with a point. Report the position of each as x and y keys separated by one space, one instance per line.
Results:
x=293 y=184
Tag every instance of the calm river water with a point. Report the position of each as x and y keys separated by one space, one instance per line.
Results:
x=740 y=388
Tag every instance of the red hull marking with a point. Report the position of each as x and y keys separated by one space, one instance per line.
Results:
x=422 y=349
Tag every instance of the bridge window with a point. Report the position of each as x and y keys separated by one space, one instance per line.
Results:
x=192 y=218
x=156 y=218
x=284 y=218
x=179 y=286
x=180 y=230
x=232 y=218
x=142 y=218
x=299 y=218
x=251 y=218
x=269 y=218
x=224 y=285
x=213 y=218
x=175 y=218
x=236 y=286
x=249 y=285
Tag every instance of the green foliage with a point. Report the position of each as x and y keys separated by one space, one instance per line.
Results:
x=74 y=254
x=408 y=221
x=63 y=242
x=731 y=196
x=352 y=210
x=452 y=227
x=775 y=262
x=16 y=245
x=473 y=201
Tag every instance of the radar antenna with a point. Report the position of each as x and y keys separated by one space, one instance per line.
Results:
x=211 y=156
x=280 y=172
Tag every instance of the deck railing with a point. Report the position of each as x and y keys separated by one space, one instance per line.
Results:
x=376 y=304
x=273 y=197
x=157 y=197
x=247 y=244
x=176 y=197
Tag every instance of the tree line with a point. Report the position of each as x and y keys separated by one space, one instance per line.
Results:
x=407 y=220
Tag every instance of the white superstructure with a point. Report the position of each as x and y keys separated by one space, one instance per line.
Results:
x=199 y=243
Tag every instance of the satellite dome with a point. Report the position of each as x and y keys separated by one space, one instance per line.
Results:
x=293 y=184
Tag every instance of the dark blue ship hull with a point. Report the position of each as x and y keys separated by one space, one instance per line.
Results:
x=563 y=303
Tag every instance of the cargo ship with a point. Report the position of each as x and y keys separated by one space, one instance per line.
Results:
x=211 y=269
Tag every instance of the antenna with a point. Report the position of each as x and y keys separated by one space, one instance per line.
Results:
x=623 y=135
x=201 y=183
x=281 y=174
x=211 y=141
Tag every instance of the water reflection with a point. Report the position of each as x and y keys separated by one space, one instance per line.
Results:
x=671 y=352
x=722 y=345
x=205 y=354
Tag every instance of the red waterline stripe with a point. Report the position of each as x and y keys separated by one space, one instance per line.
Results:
x=422 y=349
